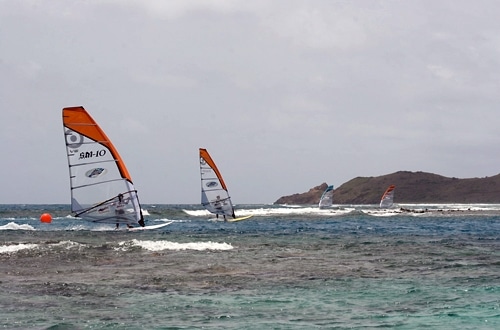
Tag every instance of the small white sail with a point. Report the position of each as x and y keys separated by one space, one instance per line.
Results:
x=214 y=195
x=101 y=186
x=388 y=197
x=327 y=198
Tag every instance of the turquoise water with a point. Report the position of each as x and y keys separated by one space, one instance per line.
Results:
x=285 y=268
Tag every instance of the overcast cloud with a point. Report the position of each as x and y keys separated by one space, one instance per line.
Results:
x=284 y=94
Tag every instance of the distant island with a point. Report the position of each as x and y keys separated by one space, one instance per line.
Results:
x=411 y=187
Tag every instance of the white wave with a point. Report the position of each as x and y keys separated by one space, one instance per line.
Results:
x=68 y=245
x=197 y=213
x=166 y=245
x=78 y=227
x=454 y=206
x=338 y=209
x=221 y=219
x=287 y=210
x=294 y=211
x=381 y=213
x=17 y=247
x=430 y=209
x=166 y=220
x=145 y=212
x=15 y=226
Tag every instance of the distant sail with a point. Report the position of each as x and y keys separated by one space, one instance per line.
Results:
x=214 y=195
x=326 y=198
x=101 y=186
x=388 y=197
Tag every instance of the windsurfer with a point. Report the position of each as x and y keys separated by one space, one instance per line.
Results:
x=119 y=210
x=217 y=216
x=217 y=203
x=128 y=226
x=119 y=206
x=223 y=215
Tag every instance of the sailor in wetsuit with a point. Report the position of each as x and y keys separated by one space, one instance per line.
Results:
x=119 y=209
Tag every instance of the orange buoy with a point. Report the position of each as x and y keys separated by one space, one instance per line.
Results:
x=46 y=218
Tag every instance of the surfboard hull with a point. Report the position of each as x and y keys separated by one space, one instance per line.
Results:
x=240 y=218
x=161 y=225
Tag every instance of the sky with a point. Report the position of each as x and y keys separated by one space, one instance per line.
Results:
x=284 y=94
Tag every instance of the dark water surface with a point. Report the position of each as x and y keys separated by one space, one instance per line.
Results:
x=284 y=268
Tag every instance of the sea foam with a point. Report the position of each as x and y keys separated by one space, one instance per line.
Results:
x=166 y=245
x=15 y=226
x=17 y=247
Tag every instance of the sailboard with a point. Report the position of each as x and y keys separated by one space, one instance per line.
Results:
x=326 y=198
x=241 y=218
x=214 y=194
x=388 y=197
x=161 y=225
x=101 y=186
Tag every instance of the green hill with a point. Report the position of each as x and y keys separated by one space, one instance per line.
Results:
x=411 y=187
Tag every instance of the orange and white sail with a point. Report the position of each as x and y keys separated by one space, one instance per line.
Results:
x=101 y=186
x=388 y=197
x=214 y=194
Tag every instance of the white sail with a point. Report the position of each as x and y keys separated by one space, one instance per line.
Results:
x=101 y=186
x=214 y=195
x=326 y=198
x=388 y=197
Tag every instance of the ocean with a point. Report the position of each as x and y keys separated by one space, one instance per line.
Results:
x=287 y=267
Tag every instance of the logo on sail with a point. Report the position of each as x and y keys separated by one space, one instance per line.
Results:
x=95 y=172
x=211 y=184
x=90 y=154
x=73 y=139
